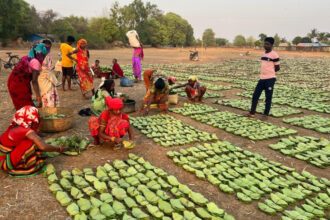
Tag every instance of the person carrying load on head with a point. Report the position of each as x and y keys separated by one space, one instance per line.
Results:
x=21 y=149
x=138 y=54
x=193 y=89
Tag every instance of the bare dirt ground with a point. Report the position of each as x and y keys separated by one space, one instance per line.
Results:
x=29 y=198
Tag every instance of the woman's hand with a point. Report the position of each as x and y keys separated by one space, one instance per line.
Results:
x=61 y=149
x=118 y=140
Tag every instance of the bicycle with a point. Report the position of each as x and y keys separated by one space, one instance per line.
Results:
x=10 y=63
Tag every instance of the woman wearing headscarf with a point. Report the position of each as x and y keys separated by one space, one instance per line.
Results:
x=25 y=72
x=138 y=55
x=112 y=124
x=21 y=149
x=47 y=84
x=157 y=95
x=82 y=67
x=193 y=89
x=107 y=88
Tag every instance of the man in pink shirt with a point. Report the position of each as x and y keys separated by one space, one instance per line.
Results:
x=270 y=63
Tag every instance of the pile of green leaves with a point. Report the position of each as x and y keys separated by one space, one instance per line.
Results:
x=131 y=189
x=249 y=175
x=276 y=110
x=313 y=122
x=55 y=116
x=192 y=109
x=313 y=150
x=105 y=68
x=246 y=127
x=216 y=87
x=169 y=131
x=74 y=145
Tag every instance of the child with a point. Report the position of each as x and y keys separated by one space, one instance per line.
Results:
x=112 y=124
x=117 y=72
x=96 y=68
x=270 y=63
x=193 y=89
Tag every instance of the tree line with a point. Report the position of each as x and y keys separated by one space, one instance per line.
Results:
x=313 y=36
x=19 y=19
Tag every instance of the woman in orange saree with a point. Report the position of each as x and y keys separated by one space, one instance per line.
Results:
x=83 y=71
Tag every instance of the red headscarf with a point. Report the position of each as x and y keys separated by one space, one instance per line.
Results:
x=80 y=42
x=108 y=101
x=116 y=104
x=27 y=117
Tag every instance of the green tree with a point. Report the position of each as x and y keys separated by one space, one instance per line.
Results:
x=306 y=40
x=296 y=40
x=62 y=28
x=209 y=38
x=313 y=34
x=262 y=37
x=277 y=40
x=221 y=41
x=80 y=24
x=47 y=19
x=239 y=41
x=283 y=40
x=175 y=30
x=322 y=37
x=258 y=43
x=250 y=41
x=109 y=31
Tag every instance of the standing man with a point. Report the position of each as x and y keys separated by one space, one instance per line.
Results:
x=270 y=63
x=67 y=63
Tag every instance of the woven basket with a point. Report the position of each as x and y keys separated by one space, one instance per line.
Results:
x=56 y=125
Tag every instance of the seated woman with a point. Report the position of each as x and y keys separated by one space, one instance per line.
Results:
x=21 y=149
x=112 y=124
x=157 y=95
x=194 y=90
x=117 y=72
x=98 y=100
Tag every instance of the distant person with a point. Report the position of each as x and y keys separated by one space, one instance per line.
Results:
x=193 y=89
x=67 y=63
x=270 y=63
x=82 y=67
x=138 y=55
x=26 y=72
x=96 y=68
x=117 y=72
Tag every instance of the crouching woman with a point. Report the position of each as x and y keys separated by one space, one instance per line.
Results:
x=112 y=124
x=21 y=149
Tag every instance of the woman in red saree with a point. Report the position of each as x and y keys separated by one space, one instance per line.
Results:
x=112 y=124
x=25 y=72
x=83 y=71
x=21 y=149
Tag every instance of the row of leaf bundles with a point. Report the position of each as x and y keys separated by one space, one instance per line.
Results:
x=131 y=189
x=314 y=122
x=315 y=151
x=244 y=104
x=246 y=127
x=208 y=94
x=169 y=131
x=248 y=174
x=192 y=109
x=74 y=145
x=310 y=209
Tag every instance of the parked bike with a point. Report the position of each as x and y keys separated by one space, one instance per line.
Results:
x=10 y=63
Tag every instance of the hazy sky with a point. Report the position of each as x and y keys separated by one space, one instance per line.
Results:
x=227 y=18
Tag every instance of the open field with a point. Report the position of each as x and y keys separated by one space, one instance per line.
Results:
x=30 y=198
